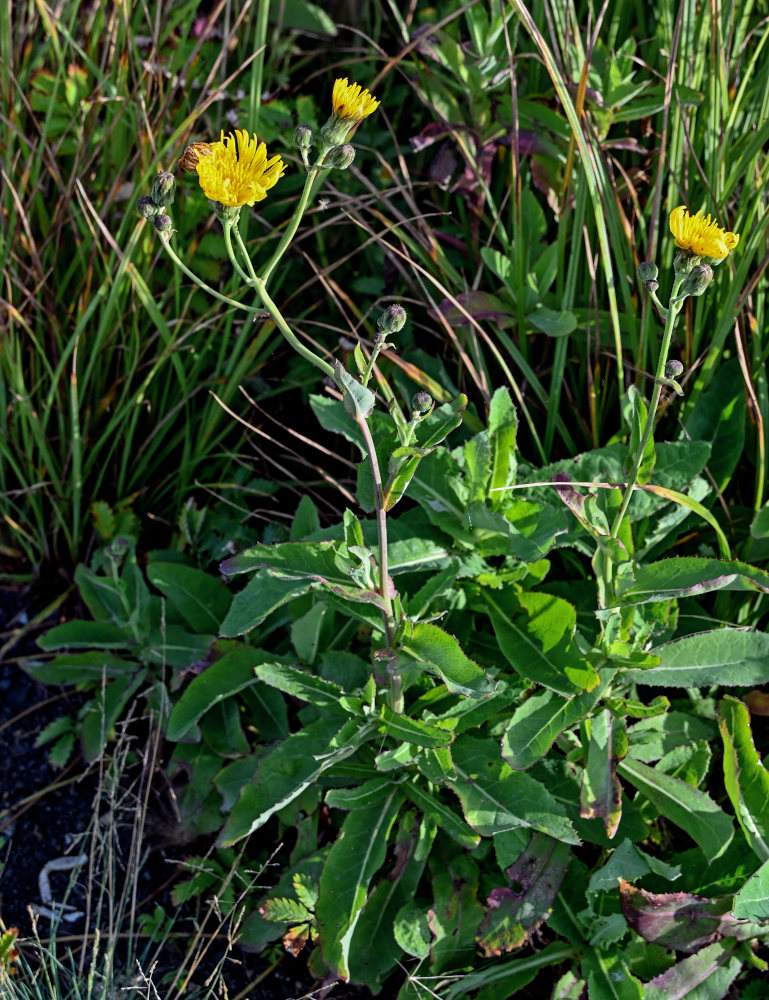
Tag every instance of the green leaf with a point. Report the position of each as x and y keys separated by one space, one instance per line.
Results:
x=302 y=685
x=369 y=965
x=752 y=901
x=745 y=777
x=355 y=857
x=601 y=793
x=104 y=711
x=306 y=17
x=707 y=975
x=477 y=466
x=233 y=672
x=281 y=776
x=495 y=798
x=555 y=323
x=401 y=727
x=513 y=975
x=456 y=913
x=730 y=656
x=311 y=632
x=306 y=520
x=359 y=401
x=331 y=415
x=441 y=652
x=440 y=423
x=262 y=595
x=690 y=576
x=412 y=930
x=285 y=911
x=199 y=597
x=86 y=634
x=502 y=430
x=359 y=795
x=629 y=862
x=442 y=815
x=640 y=418
x=608 y=976
x=299 y=560
x=402 y=465
x=536 y=635
x=538 y=722
x=80 y=668
x=691 y=809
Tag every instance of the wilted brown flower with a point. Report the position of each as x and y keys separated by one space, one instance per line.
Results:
x=189 y=158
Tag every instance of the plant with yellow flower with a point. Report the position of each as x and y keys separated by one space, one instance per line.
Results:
x=702 y=245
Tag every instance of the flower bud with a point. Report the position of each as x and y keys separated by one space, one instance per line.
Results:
x=163 y=189
x=146 y=207
x=189 y=159
x=647 y=271
x=673 y=369
x=392 y=320
x=421 y=404
x=340 y=157
x=697 y=280
x=162 y=223
x=683 y=262
x=303 y=137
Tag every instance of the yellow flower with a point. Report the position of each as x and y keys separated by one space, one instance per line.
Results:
x=352 y=103
x=236 y=171
x=700 y=235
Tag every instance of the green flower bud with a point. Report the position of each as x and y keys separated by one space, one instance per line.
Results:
x=697 y=280
x=162 y=223
x=421 y=404
x=303 y=137
x=647 y=271
x=341 y=157
x=392 y=320
x=163 y=189
x=673 y=369
x=146 y=207
x=683 y=262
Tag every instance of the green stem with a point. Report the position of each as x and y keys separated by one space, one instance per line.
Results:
x=227 y=225
x=396 y=690
x=670 y=322
x=277 y=316
x=165 y=241
x=293 y=225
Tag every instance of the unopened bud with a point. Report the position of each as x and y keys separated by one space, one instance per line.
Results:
x=146 y=207
x=697 y=280
x=192 y=154
x=421 y=404
x=162 y=223
x=163 y=189
x=392 y=320
x=341 y=157
x=303 y=137
x=647 y=271
x=683 y=262
x=673 y=369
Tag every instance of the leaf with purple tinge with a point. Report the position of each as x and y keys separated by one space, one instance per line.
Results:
x=682 y=921
x=706 y=975
x=514 y=913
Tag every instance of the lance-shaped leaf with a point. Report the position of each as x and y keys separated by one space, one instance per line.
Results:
x=640 y=419
x=692 y=575
x=536 y=634
x=401 y=727
x=286 y=771
x=199 y=597
x=456 y=913
x=704 y=976
x=503 y=428
x=722 y=656
x=515 y=912
x=538 y=722
x=441 y=422
x=302 y=685
x=402 y=465
x=745 y=777
x=442 y=654
x=752 y=901
x=369 y=965
x=263 y=594
x=681 y=921
x=495 y=798
x=358 y=400
x=601 y=793
x=442 y=815
x=356 y=856
x=691 y=809
x=608 y=977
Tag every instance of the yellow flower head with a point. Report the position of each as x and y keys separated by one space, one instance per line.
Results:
x=236 y=171
x=700 y=235
x=352 y=103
